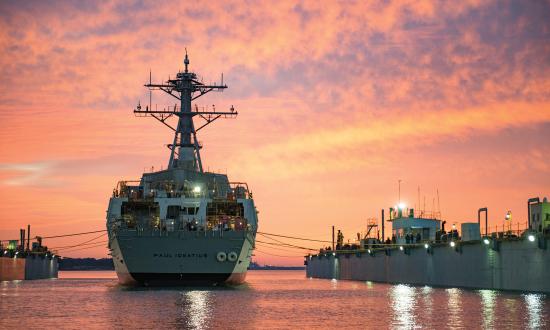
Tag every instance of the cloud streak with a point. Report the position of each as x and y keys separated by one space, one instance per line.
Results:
x=26 y=174
x=323 y=149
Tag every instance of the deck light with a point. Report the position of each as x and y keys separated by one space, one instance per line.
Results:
x=402 y=206
x=452 y=244
x=5 y=252
x=401 y=248
x=426 y=245
x=531 y=238
x=197 y=189
x=368 y=250
x=486 y=241
x=334 y=253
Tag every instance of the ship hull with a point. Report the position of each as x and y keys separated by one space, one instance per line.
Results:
x=29 y=268
x=181 y=258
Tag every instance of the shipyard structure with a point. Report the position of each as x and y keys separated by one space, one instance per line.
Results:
x=21 y=260
x=421 y=252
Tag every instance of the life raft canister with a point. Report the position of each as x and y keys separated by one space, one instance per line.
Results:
x=232 y=256
x=221 y=256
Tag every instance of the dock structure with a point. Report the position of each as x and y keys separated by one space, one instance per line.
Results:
x=28 y=268
x=507 y=260
x=20 y=261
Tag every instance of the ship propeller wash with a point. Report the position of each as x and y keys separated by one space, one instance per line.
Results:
x=182 y=225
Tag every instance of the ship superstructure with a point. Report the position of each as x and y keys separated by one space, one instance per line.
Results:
x=182 y=225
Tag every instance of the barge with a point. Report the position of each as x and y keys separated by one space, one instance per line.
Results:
x=421 y=252
x=20 y=261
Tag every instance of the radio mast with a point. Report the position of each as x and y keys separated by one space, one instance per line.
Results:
x=185 y=148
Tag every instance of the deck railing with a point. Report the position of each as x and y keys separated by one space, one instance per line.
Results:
x=236 y=190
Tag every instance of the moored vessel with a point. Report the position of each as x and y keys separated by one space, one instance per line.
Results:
x=21 y=260
x=182 y=225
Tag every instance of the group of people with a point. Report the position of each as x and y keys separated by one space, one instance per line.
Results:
x=410 y=238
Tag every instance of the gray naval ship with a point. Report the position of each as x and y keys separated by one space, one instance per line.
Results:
x=182 y=225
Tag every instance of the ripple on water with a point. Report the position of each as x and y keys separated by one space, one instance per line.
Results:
x=270 y=299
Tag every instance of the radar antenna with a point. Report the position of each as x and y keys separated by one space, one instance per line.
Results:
x=185 y=148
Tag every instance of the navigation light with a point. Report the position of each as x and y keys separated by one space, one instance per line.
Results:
x=401 y=248
x=402 y=206
x=426 y=245
x=486 y=241
x=452 y=244
x=531 y=238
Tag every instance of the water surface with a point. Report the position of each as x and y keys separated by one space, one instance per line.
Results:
x=270 y=299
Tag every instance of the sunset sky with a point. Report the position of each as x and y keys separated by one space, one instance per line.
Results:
x=337 y=101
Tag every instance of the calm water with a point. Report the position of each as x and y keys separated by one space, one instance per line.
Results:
x=270 y=299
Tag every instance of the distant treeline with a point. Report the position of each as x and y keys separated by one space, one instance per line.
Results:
x=256 y=266
x=86 y=264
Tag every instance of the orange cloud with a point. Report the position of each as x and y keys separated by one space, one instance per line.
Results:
x=321 y=150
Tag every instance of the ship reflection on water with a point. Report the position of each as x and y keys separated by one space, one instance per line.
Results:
x=402 y=298
x=534 y=305
x=270 y=299
x=488 y=298
x=454 y=306
x=196 y=308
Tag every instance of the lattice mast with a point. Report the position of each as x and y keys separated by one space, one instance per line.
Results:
x=185 y=148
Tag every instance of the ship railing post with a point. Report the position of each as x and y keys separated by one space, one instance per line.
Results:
x=383 y=233
x=332 y=238
x=483 y=209
x=529 y=202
